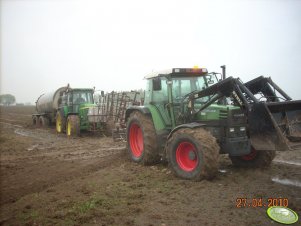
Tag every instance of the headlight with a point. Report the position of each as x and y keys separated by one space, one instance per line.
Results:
x=242 y=129
x=231 y=130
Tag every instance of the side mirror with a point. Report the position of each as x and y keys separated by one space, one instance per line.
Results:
x=157 y=84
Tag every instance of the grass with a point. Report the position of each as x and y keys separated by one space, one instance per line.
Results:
x=108 y=201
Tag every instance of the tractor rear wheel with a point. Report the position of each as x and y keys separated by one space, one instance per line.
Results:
x=60 y=123
x=142 y=143
x=73 y=126
x=193 y=154
x=256 y=159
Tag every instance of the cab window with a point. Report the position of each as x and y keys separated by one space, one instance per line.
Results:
x=160 y=95
x=82 y=97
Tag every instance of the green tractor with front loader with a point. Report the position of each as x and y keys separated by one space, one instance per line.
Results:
x=71 y=109
x=191 y=116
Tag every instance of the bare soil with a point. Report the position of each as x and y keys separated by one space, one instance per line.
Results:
x=48 y=179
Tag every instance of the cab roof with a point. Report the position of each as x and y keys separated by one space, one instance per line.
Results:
x=177 y=71
x=79 y=89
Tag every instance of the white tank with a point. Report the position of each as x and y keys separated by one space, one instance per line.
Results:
x=49 y=102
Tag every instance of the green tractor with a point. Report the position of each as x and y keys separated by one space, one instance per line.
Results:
x=72 y=110
x=191 y=116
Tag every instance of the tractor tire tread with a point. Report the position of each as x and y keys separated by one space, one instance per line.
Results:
x=210 y=152
x=151 y=150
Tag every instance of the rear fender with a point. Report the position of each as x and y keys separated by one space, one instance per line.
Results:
x=150 y=111
x=144 y=110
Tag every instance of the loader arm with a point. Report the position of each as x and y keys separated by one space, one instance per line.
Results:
x=267 y=88
x=229 y=87
x=272 y=124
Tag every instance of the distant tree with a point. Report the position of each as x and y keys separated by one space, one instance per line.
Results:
x=7 y=99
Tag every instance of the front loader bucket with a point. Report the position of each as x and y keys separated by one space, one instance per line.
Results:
x=275 y=125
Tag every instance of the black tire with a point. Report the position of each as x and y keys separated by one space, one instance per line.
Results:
x=44 y=121
x=193 y=154
x=256 y=159
x=36 y=121
x=141 y=139
x=60 y=122
x=73 y=126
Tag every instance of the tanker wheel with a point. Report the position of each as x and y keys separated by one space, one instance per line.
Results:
x=256 y=159
x=60 y=123
x=73 y=126
x=43 y=121
x=36 y=121
x=142 y=143
x=193 y=154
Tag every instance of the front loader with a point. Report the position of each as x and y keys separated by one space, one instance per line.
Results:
x=191 y=116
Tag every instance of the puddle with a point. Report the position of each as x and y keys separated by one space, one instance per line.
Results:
x=21 y=133
x=288 y=162
x=287 y=182
x=33 y=147
x=222 y=171
x=9 y=124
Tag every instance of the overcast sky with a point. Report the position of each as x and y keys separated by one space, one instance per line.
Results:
x=112 y=45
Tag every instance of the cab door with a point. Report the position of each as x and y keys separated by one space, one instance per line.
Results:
x=159 y=98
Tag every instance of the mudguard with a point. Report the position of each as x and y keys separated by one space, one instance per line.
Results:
x=142 y=109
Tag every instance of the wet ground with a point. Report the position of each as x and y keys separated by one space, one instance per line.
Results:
x=48 y=179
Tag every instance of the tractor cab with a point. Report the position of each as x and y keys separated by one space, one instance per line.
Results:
x=74 y=99
x=180 y=82
x=170 y=90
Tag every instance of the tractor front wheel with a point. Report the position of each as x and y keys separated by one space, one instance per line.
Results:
x=142 y=144
x=193 y=154
x=73 y=126
x=256 y=159
x=60 y=122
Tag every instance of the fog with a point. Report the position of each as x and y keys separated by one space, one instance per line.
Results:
x=112 y=45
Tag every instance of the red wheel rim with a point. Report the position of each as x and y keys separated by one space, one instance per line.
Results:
x=136 y=140
x=250 y=156
x=186 y=156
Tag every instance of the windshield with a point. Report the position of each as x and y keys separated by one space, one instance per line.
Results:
x=80 y=97
x=184 y=85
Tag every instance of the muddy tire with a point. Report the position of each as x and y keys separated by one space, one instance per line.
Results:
x=36 y=121
x=256 y=159
x=142 y=142
x=193 y=154
x=60 y=123
x=44 y=122
x=73 y=126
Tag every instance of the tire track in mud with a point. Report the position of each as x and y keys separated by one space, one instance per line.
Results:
x=51 y=159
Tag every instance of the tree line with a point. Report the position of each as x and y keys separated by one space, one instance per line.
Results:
x=7 y=99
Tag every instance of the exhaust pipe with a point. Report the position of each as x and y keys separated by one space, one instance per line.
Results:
x=223 y=71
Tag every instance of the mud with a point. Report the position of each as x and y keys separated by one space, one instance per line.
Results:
x=48 y=179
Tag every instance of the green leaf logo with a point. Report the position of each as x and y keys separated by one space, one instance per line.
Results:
x=282 y=214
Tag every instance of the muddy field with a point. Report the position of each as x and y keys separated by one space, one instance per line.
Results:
x=48 y=179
